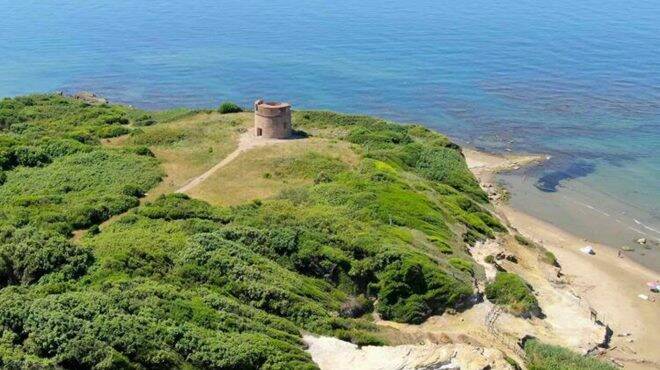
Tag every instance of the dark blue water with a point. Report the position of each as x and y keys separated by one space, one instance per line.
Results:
x=579 y=80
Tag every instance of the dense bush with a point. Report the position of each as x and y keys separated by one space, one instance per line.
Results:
x=77 y=190
x=411 y=292
x=180 y=206
x=229 y=107
x=511 y=291
x=428 y=153
x=462 y=264
x=28 y=254
x=178 y=283
x=356 y=306
x=110 y=131
x=540 y=356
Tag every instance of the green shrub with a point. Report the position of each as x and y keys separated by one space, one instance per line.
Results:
x=145 y=120
x=178 y=207
x=28 y=254
x=356 y=306
x=63 y=147
x=112 y=119
x=540 y=356
x=368 y=136
x=462 y=265
x=30 y=156
x=550 y=259
x=110 y=131
x=229 y=107
x=94 y=230
x=133 y=190
x=524 y=241
x=410 y=292
x=77 y=190
x=511 y=291
x=143 y=150
x=360 y=338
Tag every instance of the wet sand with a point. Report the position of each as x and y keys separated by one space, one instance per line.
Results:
x=581 y=210
x=608 y=283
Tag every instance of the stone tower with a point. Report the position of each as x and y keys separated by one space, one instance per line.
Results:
x=272 y=119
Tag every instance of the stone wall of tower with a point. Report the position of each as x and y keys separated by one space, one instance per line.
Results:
x=272 y=120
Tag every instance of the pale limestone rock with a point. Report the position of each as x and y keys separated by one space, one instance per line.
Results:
x=334 y=354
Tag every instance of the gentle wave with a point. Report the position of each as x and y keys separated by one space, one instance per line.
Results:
x=606 y=214
x=647 y=227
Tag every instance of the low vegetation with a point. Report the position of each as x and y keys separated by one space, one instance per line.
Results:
x=511 y=291
x=544 y=255
x=229 y=107
x=266 y=171
x=540 y=356
x=187 y=144
x=177 y=282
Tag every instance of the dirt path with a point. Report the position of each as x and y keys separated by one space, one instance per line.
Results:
x=246 y=142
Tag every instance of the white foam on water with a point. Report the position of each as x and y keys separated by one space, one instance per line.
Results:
x=647 y=227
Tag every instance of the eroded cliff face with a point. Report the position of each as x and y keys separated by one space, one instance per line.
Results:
x=334 y=354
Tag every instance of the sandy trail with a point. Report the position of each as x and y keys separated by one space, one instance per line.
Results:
x=246 y=142
x=606 y=282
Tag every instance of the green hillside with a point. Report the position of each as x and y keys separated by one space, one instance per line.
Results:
x=365 y=215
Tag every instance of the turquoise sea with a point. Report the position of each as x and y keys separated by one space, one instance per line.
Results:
x=577 y=80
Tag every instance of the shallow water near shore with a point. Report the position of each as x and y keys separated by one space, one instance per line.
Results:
x=581 y=209
x=578 y=81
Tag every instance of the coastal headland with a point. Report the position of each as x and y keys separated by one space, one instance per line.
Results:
x=179 y=239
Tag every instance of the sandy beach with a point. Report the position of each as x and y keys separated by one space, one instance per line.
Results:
x=608 y=283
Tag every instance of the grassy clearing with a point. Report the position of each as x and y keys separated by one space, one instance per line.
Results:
x=190 y=145
x=266 y=171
